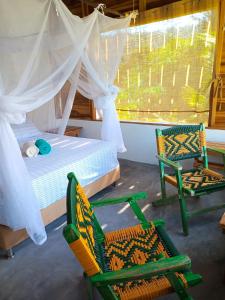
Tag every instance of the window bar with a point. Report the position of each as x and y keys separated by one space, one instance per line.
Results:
x=187 y=75
x=192 y=35
x=164 y=39
x=139 y=42
x=106 y=49
x=128 y=78
x=118 y=75
x=174 y=78
x=150 y=77
x=127 y=44
x=200 y=79
x=97 y=53
x=150 y=42
x=161 y=80
x=177 y=37
x=207 y=33
x=139 y=79
x=172 y=101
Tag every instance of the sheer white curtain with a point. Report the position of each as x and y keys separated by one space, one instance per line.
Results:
x=42 y=45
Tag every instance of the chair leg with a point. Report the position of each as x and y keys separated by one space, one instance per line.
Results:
x=163 y=188
x=90 y=290
x=164 y=199
x=179 y=287
x=184 y=217
x=89 y=287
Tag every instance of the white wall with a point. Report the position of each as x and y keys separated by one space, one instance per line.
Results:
x=139 y=138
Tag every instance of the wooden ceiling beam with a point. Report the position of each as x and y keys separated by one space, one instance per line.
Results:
x=142 y=5
x=109 y=10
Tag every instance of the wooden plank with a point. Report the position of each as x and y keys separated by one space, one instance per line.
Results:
x=218 y=63
x=222 y=221
x=142 y=5
x=95 y=4
x=175 y=9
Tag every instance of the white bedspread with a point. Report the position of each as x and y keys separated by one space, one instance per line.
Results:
x=89 y=159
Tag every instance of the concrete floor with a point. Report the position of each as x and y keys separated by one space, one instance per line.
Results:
x=51 y=272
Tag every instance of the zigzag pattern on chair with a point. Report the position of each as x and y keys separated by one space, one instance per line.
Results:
x=138 y=249
x=202 y=178
x=135 y=246
x=84 y=219
x=199 y=179
x=182 y=145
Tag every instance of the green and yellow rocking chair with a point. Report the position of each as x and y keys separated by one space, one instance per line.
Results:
x=179 y=143
x=138 y=262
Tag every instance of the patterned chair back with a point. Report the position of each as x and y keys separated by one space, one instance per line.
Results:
x=181 y=142
x=82 y=230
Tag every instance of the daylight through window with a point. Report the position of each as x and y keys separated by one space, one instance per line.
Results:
x=166 y=70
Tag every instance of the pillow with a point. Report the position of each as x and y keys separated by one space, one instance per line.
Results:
x=25 y=130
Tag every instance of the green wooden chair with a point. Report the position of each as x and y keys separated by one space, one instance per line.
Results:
x=138 y=262
x=179 y=143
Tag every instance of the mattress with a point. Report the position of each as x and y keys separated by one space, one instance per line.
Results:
x=89 y=159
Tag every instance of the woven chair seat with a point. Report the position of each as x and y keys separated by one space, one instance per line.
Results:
x=134 y=246
x=199 y=180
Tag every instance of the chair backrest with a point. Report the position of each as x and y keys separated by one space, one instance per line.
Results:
x=82 y=232
x=182 y=142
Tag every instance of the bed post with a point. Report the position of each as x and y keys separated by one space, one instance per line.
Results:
x=9 y=253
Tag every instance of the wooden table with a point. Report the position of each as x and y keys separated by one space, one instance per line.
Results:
x=73 y=130
x=220 y=146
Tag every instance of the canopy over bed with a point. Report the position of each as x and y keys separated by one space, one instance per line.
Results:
x=46 y=54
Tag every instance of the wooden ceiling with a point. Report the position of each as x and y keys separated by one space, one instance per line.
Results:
x=114 y=8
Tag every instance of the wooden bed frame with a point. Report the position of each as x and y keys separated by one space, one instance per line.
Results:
x=10 y=238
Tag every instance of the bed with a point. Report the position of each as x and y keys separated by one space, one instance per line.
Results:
x=93 y=161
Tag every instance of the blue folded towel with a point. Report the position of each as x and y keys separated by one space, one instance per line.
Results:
x=43 y=146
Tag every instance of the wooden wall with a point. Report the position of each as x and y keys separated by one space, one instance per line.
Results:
x=113 y=7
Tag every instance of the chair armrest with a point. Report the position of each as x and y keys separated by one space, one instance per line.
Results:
x=217 y=150
x=170 y=163
x=112 y=201
x=151 y=269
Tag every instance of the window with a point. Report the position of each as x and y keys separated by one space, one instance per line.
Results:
x=166 y=70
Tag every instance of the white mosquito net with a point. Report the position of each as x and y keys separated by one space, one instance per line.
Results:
x=46 y=54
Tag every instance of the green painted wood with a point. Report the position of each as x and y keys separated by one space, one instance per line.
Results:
x=71 y=233
x=159 y=222
x=148 y=270
x=219 y=151
x=107 y=292
x=104 y=202
x=139 y=214
x=170 y=163
x=192 y=279
x=167 y=241
x=71 y=196
x=204 y=150
x=178 y=286
x=89 y=287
